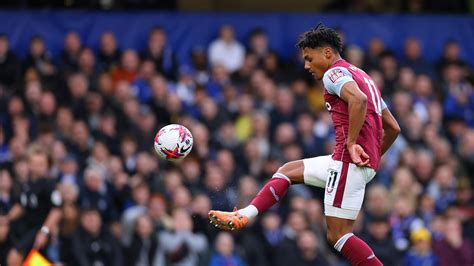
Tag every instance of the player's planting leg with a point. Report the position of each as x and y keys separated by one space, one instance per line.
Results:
x=269 y=195
x=342 y=202
x=355 y=250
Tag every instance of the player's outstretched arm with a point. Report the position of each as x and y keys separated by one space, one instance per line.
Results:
x=391 y=129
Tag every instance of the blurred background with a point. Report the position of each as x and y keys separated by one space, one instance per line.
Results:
x=85 y=85
x=415 y=6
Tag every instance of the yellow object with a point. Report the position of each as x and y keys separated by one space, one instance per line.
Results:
x=420 y=234
x=35 y=258
x=243 y=127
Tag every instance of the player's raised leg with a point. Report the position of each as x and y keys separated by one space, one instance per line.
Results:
x=343 y=199
x=312 y=171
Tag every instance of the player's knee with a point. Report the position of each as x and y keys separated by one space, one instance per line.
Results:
x=284 y=169
x=291 y=171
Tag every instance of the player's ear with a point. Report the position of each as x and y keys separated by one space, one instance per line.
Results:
x=327 y=51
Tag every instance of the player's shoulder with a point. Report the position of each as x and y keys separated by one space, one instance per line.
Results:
x=336 y=76
x=336 y=72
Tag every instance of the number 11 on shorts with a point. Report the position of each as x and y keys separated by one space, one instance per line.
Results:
x=331 y=183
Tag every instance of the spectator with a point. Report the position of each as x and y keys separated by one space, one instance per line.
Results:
x=9 y=66
x=6 y=197
x=128 y=148
x=225 y=254
x=459 y=102
x=403 y=222
x=71 y=51
x=147 y=127
x=275 y=69
x=78 y=88
x=260 y=126
x=249 y=66
x=98 y=158
x=243 y=121
x=128 y=68
x=157 y=211
x=355 y=56
x=200 y=65
x=379 y=237
x=220 y=78
x=404 y=185
x=107 y=128
x=414 y=59
x=33 y=92
x=226 y=50
x=406 y=79
x=159 y=96
x=421 y=253
x=70 y=220
x=211 y=116
x=375 y=49
x=200 y=206
x=92 y=244
x=181 y=198
x=109 y=53
x=142 y=250
x=80 y=142
x=247 y=190
x=443 y=187
x=311 y=144
x=87 y=65
x=451 y=54
x=466 y=149
x=40 y=60
x=141 y=85
x=216 y=187
x=426 y=210
x=258 y=44
x=96 y=194
x=295 y=225
x=46 y=108
x=308 y=252
x=181 y=246
x=389 y=66
x=186 y=85
x=160 y=53
x=453 y=249
x=424 y=166
x=4 y=153
x=64 y=122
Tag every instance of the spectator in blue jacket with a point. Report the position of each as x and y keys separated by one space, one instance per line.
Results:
x=225 y=255
x=421 y=253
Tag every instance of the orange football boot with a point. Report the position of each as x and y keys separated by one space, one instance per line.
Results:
x=229 y=221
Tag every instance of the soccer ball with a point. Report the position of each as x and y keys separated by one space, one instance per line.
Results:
x=173 y=142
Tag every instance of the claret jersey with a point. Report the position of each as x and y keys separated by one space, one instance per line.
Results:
x=370 y=136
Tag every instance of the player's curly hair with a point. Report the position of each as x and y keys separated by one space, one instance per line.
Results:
x=320 y=36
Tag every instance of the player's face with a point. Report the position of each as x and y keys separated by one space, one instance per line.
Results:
x=317 y=60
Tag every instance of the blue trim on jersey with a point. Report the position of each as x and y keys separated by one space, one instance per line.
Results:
x=335 y=78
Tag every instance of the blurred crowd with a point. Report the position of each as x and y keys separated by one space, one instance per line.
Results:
x=85 y=122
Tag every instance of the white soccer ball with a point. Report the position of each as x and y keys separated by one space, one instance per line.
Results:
x=173 y=142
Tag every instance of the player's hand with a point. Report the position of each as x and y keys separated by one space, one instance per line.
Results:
x=358 y=155
x=40 y=240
